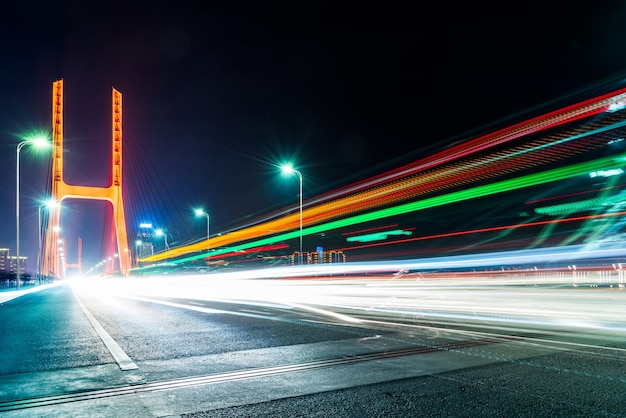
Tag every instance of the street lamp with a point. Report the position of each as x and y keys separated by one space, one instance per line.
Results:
x=137 y=244
x=288 y=169
x=202 y=212
x=38 y=143
x=50 y=204
x=159 y=232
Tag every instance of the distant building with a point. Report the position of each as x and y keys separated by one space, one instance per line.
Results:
x=13 y=264
x=319 y=257
x=4 y=259
x=334 y=257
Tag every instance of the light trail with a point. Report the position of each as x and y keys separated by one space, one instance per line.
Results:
x=544 y=177
x=507 y=303
x=420 y=181
x=578 y=111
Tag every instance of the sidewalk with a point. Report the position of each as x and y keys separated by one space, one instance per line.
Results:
x=7 y=294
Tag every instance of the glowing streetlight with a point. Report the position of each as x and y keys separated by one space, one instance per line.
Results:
x=38 y=142
x=159 y=232
x=202 y=212
x=49 y=204
x=288 y=169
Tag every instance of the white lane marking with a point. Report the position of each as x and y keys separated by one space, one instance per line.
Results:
x=122 y=359
x=253 y=311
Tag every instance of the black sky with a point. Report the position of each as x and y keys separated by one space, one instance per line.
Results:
x=215 y=95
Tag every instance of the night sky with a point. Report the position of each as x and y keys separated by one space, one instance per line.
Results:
x=215 y=97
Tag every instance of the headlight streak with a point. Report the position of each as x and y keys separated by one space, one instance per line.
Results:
x=456 y=303
x=325 y=312
x=483 y=300
x=256 y=297
x=452 y=316
x=193 y=307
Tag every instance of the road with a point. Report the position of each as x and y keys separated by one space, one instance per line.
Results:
x=345 y=347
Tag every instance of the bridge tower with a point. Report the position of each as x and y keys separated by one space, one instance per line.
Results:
x=52 y=263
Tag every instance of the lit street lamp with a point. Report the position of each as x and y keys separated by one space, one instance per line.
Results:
x=159 y=232
x=50 y=204
x=202 y=212
x=39 y=143
x=288 y=169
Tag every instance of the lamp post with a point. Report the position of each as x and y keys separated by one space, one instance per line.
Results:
x=137 y=244
x=159 y=232
x=39 y=143
x=50 y=204
x=288 y=169
x=202 y=212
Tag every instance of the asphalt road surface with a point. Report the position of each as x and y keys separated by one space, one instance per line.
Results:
x=311 y=349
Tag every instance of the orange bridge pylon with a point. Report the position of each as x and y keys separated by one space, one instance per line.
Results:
x=52 y=264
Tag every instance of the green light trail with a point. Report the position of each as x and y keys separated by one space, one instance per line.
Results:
x=377 y=236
